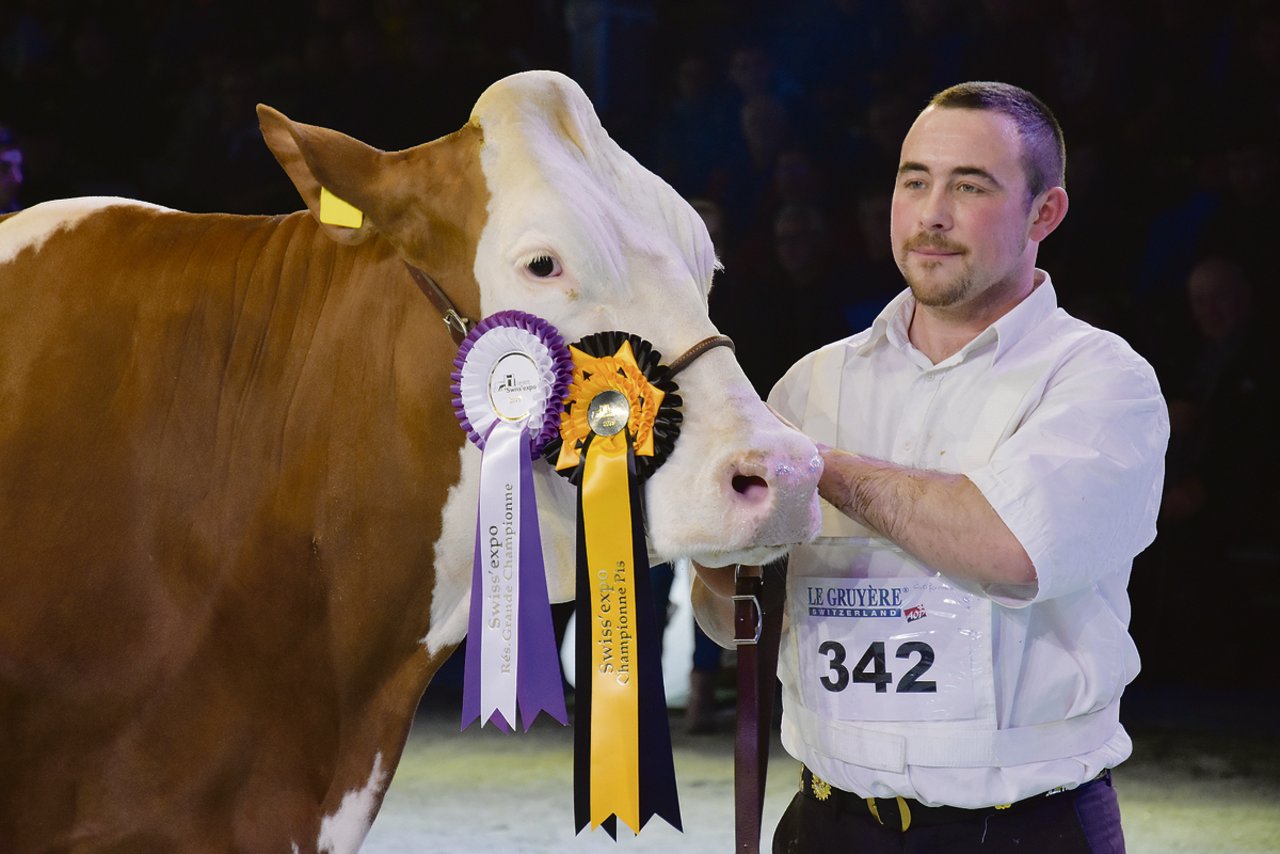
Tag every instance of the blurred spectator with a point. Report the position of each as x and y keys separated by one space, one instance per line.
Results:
x=874 y=141
x=739 y=184
x=795 y=178
x=1089 y=252
x=1220 y=403
x=610 y=46
x=838 y=50
x=693 y=132
x=1091 y=66
x=787 y=307
x=1010 y=39
x=755 y=75
x=215 y=158
x=1239 y=227
x=10 y=171
x=937 y=50
x=1219 y=508
x=870 y=269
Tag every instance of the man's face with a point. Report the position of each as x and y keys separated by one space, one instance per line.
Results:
x=960 y=217
x=1219 y=299
x=798 y=243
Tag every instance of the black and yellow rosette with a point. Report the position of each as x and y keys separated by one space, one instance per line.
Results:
x=620 y=423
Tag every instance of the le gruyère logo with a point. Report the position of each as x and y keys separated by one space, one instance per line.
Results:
x=857 y=602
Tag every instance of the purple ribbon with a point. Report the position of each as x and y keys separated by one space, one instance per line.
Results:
x=537 y=663
x=538 y=685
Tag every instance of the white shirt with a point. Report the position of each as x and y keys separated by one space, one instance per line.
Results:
x=1063 y=429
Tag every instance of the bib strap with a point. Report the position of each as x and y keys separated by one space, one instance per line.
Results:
x=888 y=751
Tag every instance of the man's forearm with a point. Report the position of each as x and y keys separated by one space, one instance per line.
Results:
x=942 y=519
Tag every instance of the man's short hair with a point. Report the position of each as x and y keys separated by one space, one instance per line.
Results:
x=1044 y=153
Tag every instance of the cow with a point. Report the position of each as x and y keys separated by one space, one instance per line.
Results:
x=237 y=513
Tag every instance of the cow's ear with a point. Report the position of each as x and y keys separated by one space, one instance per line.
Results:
x=336 y=175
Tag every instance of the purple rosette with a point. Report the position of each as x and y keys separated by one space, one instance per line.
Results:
x=511 y=375
x=556 y=368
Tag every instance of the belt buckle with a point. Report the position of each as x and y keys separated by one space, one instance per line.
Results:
x=904 y=811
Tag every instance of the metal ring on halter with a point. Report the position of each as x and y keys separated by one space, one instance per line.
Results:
x=709 y=343
x=458 y=325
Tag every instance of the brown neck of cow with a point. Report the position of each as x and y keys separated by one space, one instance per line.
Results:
x=397 y=458
x=351 y=453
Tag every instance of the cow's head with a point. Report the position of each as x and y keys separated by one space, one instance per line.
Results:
x=533 y=204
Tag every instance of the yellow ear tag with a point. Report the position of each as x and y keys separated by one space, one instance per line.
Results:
x=334 y=211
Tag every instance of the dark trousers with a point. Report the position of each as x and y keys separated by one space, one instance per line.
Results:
x=1085 y=820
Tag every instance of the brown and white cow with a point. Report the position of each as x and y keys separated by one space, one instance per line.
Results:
x=236 y=511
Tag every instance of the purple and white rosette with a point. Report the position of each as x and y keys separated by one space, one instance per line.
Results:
x=510 y=379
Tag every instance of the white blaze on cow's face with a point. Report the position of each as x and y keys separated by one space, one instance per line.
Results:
x=580 y=234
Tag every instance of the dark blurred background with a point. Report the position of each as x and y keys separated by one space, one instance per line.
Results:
x=781 y=122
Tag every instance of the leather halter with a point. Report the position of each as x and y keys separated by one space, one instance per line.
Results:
x=686 y=358
x=459 y=326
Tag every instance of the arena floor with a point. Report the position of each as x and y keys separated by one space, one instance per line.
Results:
x=1205 y=778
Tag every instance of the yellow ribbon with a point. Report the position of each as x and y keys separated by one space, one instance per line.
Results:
x=606 y=519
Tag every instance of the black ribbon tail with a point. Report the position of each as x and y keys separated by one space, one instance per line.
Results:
x=658 y=795
x=582 y=684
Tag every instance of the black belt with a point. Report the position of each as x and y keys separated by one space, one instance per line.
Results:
x=903 y=813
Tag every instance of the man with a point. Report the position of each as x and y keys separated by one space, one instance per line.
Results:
x=10 y=171
x=956 y=641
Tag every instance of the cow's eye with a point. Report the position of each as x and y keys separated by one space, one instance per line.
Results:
x=543 y=267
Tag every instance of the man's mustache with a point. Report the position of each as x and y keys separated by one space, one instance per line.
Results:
x=930 y=241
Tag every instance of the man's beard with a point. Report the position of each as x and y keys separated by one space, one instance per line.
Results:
x=946 y=294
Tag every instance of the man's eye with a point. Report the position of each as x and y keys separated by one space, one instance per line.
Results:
x=969 y=188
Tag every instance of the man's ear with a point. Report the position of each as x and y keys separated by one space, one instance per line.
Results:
x=1048 y=210
x=337 y=176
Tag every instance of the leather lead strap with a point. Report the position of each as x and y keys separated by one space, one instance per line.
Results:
x=458 y=325
x=757 y=624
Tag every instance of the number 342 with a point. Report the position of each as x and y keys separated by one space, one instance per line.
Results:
x=871 y=668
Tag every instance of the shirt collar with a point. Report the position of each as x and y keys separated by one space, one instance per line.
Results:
x=1025 y=316
x=893 y=323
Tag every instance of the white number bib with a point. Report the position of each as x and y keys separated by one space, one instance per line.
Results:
x=889 y=649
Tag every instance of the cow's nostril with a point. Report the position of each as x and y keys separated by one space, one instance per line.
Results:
x=750 y=486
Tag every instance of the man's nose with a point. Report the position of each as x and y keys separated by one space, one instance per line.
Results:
x=935 y=214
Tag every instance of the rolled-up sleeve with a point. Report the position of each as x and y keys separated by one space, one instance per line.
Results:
x=1079 y=481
